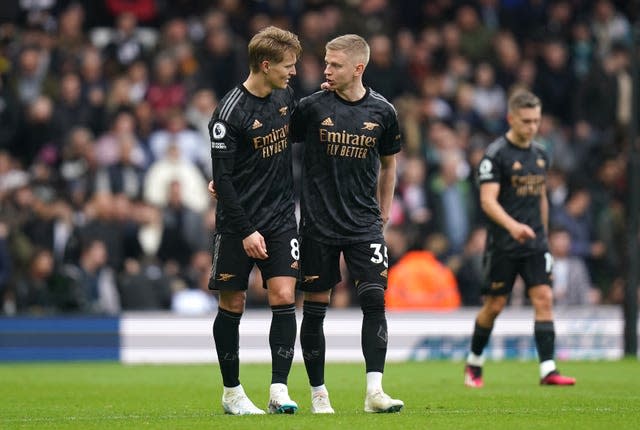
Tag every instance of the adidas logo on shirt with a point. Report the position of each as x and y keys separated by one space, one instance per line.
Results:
x=327 y=122
x=256 y=124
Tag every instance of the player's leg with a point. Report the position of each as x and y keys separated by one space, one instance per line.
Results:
x=280 y=272
x=320 y=271
x=537 y=273
x=501 y=272
x=229 y=275
x=367 y=264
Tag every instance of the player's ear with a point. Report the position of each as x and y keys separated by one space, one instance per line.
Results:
x=264 y=66
x=359 y=69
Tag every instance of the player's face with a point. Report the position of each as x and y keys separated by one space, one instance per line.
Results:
x=339 y=69
x=525 y=122
x=280 y=73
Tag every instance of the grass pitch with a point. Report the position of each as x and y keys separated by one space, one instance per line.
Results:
x=114 y=396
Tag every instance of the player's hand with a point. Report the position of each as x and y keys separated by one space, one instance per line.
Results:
x=255 y=246
x=522 y=232
x=212 y=190
x=325 y=86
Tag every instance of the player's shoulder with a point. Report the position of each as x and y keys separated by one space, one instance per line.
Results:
x=539 y=148
x=314 y=97
x=285 y=95
x=381 y=101
x=496 y=147
x=230 y=109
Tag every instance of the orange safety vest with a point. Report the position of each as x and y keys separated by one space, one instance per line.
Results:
x=420 y=282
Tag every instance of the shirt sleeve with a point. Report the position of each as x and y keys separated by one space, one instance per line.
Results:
x=488 y=170
x=223 y=145
x=392 y=139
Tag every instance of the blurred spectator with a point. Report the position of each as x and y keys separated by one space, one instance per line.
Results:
x=71 y=109
x=173 y=167
x=384 y=73
x=109 y=145
x=571 y=281
x=35 y=290
x=420 y=282
x=191 y=145
x=9 y=117
x=166 y=92
x=475 y=38
x=32 y=78
x=608 y=26
x=221 y=61
x=92 y=280
x=5 y=268
x=125 y=47
x=39 y=134
x=489 y=99
x=469 y=270
x=554 y=82
x=187 y=223
x=451 y=200
x=195 y=298
x=124 y=175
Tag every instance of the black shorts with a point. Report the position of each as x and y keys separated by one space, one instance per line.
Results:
x=501 y=270
x=231 y=265
x=320 y=264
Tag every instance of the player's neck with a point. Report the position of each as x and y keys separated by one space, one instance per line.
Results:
x=353 y=93
x=520 y=143
x=257 y=85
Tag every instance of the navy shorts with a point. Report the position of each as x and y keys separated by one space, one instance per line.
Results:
x=320 y=263
x=231 y=265
x=501 y=270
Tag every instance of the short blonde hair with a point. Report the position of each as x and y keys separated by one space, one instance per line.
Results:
x=522 y=98
x=271 y=44
x=354 y=46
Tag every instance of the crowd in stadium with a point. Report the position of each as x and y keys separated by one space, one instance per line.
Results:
x=105 y=159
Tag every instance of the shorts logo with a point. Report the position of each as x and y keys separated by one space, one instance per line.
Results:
x=327 y=122
x=310 y=278
x=295 y=265
x=370 y=125
x=283 y=111
x=218 y=131
x=256 y=124
x=224 y=277
x=384 y=273
x=497 y=285
x=516 y=166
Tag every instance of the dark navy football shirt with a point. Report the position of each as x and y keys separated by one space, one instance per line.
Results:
x=343 y=143
x=251 y=150
x=521 y=173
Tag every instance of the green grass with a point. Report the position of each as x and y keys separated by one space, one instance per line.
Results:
x=112 y=396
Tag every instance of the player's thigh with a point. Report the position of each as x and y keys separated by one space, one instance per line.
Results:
x=500 y=271
x=368 y=261
x=536 y=269
x=230 y=266
x=284 y=252
x=319 y=266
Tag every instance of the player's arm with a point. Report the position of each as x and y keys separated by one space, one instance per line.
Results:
x=544 y=209
x=223 y=144
x=386 y=185
x=489 y=192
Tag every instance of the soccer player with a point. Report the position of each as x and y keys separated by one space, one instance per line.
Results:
x=252 y=171
x=513 y=196
x=350 y=136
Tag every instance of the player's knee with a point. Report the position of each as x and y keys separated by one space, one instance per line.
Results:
x=542 y=298
x=494 y=305
x=371 y=298
x=233 y=301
